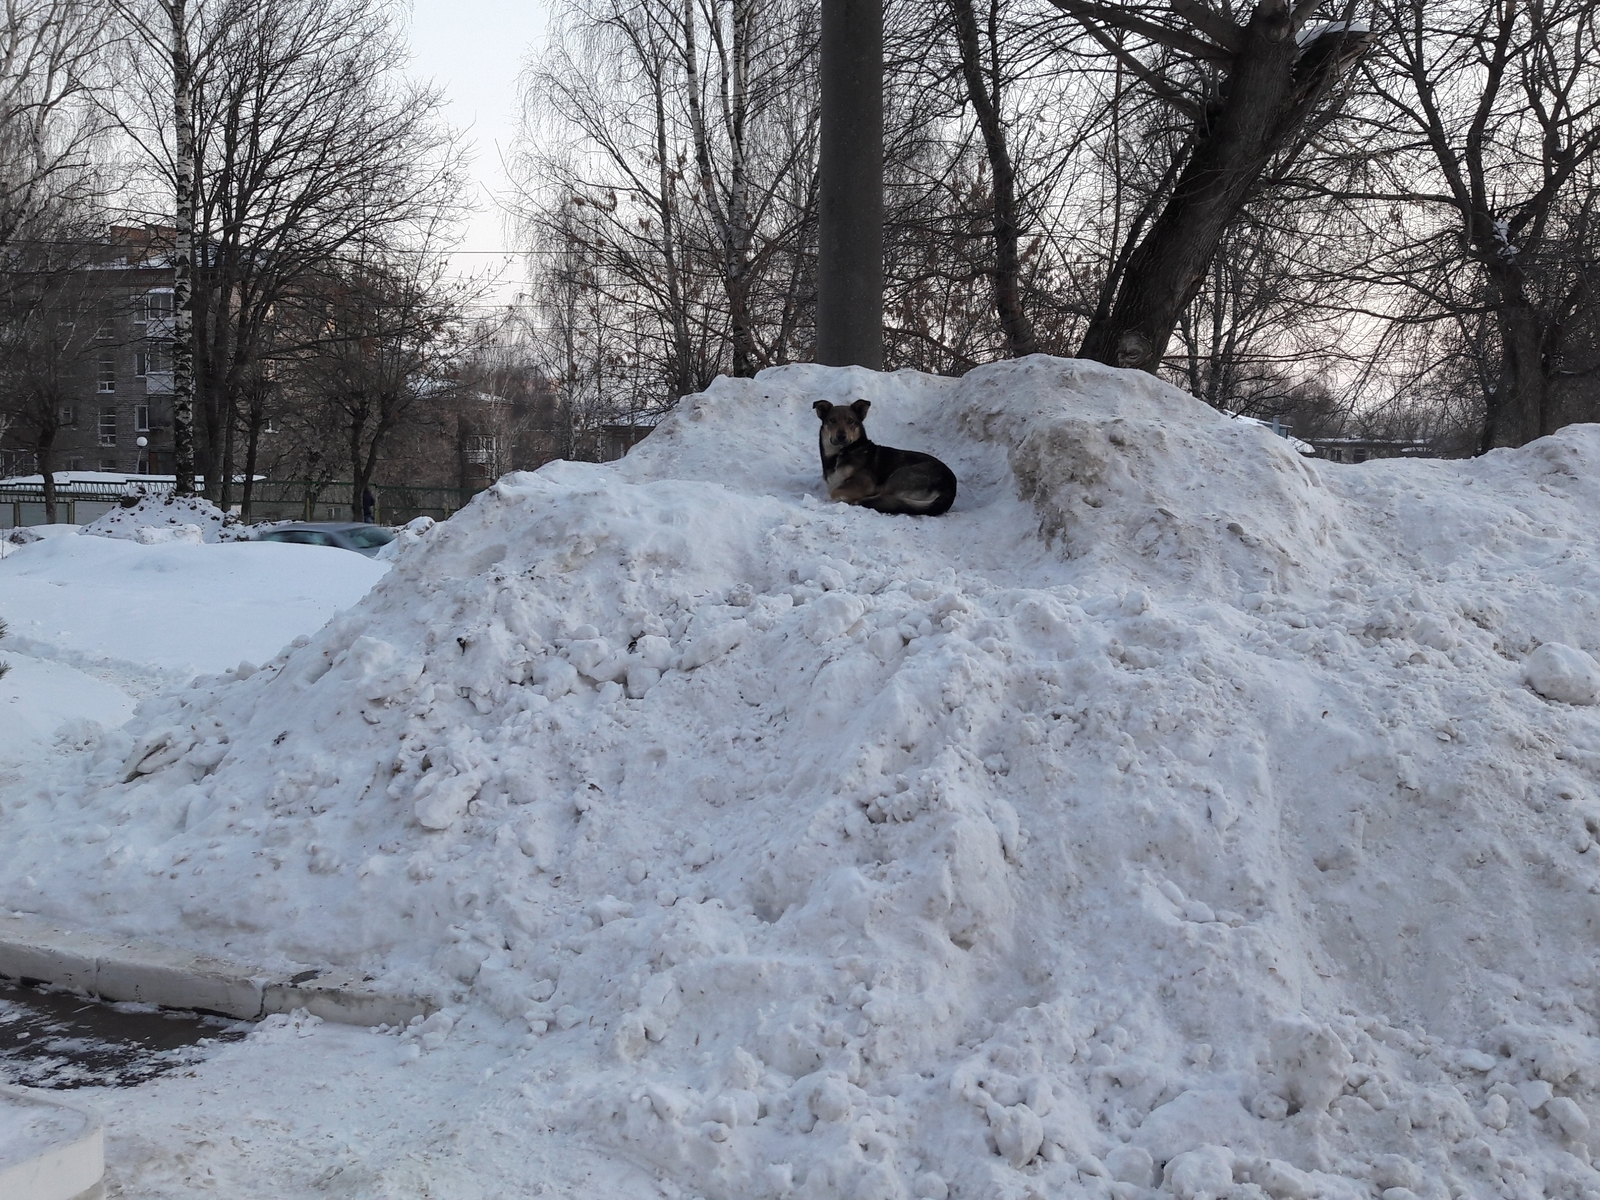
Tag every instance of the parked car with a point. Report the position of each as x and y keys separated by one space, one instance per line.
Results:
x=344 y=535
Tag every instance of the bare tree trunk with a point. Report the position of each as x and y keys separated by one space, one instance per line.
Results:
x=365 y=466
x=183 y=254
x=732 y=220
x=1005 y=222
x=44 y=451
x=224 y=489
x=1271 y=84
x=682 y=353
x=1168 y=268
x=1516 y=411
x=353 y=431
x=252 y=446
x=1521 y=191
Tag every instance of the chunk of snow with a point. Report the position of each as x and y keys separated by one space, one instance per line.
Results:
x=1564 y=673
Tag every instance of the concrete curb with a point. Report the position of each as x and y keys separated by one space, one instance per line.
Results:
x=112 y=968
x=49 y=1150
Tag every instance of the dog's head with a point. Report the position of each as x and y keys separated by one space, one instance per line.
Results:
x=841 y=423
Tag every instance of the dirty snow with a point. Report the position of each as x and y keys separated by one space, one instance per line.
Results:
x=1175 y=817
x=152 y=514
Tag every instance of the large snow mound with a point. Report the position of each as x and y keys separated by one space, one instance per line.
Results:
x=1173 y=814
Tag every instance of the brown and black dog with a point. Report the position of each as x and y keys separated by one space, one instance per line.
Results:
x=858 y=471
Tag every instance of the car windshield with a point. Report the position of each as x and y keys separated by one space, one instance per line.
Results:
x=370 y=536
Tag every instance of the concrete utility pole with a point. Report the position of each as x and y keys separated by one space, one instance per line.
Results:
x=850 y=186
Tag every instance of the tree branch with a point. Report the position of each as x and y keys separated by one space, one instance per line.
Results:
x=1088 y=13
x=1219 y=28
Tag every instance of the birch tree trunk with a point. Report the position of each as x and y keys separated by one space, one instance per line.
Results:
x=183 y=252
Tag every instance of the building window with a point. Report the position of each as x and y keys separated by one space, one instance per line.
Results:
x=150 y=359
x=154 y=306
x=108 y=375
x=141 y=418
x=480 y=450
x=108 y=427
x=108 y=464
x=67 y=415
x=107 y=311
x=75 y=463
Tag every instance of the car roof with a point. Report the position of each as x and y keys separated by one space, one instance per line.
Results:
x=323 y=526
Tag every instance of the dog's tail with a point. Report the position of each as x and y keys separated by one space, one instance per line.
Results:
x=926 y=501
x=923 y=502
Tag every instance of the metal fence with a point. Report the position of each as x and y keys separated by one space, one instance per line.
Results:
x=309 y=500
x=76 y=504
x=83 y=501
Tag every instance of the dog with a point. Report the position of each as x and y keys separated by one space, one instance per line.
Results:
x=859 y=471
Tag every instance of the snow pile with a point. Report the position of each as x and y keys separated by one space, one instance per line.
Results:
x=1172 y=815
x=26 y=535
x=405 y=537
x=151 y=515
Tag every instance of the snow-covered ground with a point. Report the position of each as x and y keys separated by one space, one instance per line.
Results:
x=1175 y=817
x=96 y=623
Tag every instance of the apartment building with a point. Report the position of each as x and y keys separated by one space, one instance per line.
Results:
x=123 y=419
x=114 y=369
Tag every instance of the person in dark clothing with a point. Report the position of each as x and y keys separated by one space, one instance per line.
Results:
x=369 y=503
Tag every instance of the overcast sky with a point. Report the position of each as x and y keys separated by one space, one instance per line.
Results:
x=474 y=49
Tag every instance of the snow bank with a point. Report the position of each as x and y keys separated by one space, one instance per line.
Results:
x=153 y=516
x=39 y=698
x=1174 y=815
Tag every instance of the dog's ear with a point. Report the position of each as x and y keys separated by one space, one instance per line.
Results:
x=860 y=409
x=823 y=408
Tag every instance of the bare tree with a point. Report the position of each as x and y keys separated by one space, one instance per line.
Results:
x=759 y=50
x=307 y=146
x=382 y=335
x=598 y=354
x=51 y=70
x=620 y=206
x=688 y=184
x=168 y=30
x=51 y=329
x=1249 y=90
x=1481 y=196
x=178 y=40
x=983 y=71
x=52 y=66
